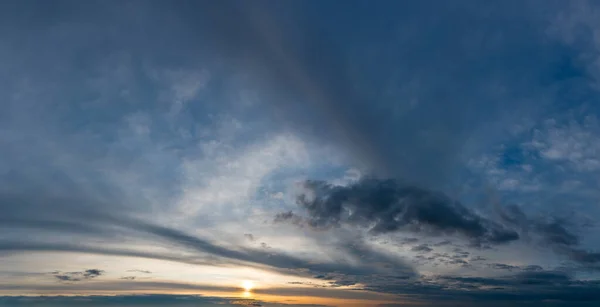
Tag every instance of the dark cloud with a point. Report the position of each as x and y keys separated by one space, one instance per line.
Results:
x=443 y=243
x=289 y=217
x=140 y=271
x=128 y=277
x=249 y=237
x=423 y=248
x=77 y=276
x=388 y=206
x=521 y=289
x=532 y=268
x=553 y=232
x=502 y=266
x=409 y=240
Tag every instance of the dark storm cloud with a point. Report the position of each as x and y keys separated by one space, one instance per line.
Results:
x=387 y=206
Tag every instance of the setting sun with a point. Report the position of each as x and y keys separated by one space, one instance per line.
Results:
x=247 y=285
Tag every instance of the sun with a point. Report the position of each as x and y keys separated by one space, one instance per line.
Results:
x=247 y=285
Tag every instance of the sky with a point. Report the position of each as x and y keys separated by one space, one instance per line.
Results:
x=299 y=153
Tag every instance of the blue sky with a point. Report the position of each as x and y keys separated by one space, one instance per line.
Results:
x=334 y=153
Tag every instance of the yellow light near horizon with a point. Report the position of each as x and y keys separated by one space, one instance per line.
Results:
x=247 y=285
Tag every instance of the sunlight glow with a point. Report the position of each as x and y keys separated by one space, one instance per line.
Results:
x=247 y=285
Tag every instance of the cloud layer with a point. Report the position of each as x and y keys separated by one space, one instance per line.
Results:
x=188 y=136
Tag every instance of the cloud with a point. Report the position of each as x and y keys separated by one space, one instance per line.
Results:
x=574 y=144
x=77 y=276
x=128 y=277
x=263 y=258
x=246 y=303
x=521 y=289
x=423 y=248
x=140 y=271
x=553 y=233
x=89 y=141
x=385 y=206
x=135 y=300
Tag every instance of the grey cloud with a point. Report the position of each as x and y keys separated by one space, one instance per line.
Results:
x=580 y=255
x=423 y=248
x=409 y=240
x=208 y=251
x=443 y=243
x=128 y=278
x=532 y=268
x=502 y=266
x=553 y=232
x=11 y=247
x=77 y=276
x=140 y=271
x=521 y=289
x=71 y=212
x=289 y=217
x=388 y=206
x=267 y=258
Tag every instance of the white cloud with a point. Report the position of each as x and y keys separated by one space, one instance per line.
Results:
x=351 y=175
x=576 y=144
x=225 y=180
